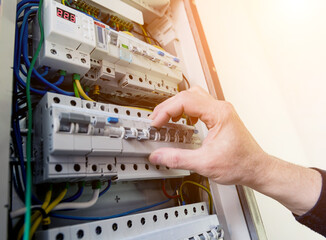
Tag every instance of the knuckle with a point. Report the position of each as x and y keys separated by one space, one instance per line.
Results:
x=228 y=108
x=182 y=95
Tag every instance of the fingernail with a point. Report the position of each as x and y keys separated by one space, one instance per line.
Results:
x=155 y=159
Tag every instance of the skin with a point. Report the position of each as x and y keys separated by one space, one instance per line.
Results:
x=230 y=155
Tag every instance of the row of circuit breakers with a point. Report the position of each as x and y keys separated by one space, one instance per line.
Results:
x=75 y=139
x=120 y=64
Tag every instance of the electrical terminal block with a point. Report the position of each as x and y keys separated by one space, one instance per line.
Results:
x=183 y=222
x=85 y=7
x=95 y=136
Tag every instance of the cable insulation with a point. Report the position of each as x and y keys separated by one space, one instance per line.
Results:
x=81 y=91
x=210 y=199
x=111 y=216
x=48 y=209
x=79 y=205
x=28 y=192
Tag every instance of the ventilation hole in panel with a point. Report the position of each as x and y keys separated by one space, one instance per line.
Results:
x=114 y=227
x=135 y=167
x=176 y=213
x=58 y=168
x=77 y=167
x=80 y=234
x=56 y=100
x=98 y=230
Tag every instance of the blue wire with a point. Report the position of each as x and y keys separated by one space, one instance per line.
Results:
x=24 y=7
x=46 y=71
x=17 y=60
x=18 y=138
x=20 y=39
x=105 y=189
x=60 y=81
x=108 y=217
x=23 y=2
x=75 y=196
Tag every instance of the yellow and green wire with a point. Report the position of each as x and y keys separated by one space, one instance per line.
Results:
x=210 y=199
x=75 y=89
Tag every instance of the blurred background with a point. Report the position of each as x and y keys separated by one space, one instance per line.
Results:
x=271 y=60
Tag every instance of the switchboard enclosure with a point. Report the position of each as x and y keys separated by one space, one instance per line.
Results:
x=82 y=78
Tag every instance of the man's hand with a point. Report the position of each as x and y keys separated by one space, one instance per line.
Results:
x=230 y=155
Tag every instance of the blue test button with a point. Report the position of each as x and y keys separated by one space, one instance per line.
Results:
x=160 y=53
x=113 y=120
x=176 y=60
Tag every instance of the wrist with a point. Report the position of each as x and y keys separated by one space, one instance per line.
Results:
x=296 y=187
x=261 y=170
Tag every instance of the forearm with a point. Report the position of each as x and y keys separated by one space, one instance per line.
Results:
x=297 y=188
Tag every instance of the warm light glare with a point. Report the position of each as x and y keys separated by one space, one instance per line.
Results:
x=270 y=58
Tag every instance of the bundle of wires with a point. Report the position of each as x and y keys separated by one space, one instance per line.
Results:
x=24 y=72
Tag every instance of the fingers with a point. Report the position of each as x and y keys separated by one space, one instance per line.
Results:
x=161 y=105
x=174 y=107
x=195 y=103
x=176 y=158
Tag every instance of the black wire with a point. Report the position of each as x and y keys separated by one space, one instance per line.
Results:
x=143 y=35
x=18 y=189
x=150 y=35
x=15 y=174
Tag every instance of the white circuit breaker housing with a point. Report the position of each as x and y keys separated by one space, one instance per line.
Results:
x=69 y=39
x=76 y=139
x=125 y=66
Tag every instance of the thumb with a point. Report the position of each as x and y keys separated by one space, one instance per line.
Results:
x=176 y=158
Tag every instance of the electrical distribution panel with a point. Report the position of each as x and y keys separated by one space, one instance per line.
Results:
x=77 y=140
x=91 y=126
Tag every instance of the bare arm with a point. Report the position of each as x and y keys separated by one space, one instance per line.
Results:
x=230 y=155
